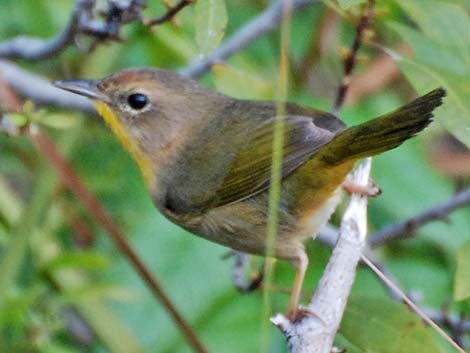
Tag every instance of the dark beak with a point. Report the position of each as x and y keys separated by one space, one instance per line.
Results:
x=87 y=88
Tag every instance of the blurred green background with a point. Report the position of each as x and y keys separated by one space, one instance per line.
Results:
x=70 y=274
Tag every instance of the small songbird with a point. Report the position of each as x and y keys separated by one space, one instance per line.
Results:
x=206 y=157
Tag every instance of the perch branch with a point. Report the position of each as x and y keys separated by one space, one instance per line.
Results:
x=316 y=331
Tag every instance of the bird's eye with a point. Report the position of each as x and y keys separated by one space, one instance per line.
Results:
x=137 y=101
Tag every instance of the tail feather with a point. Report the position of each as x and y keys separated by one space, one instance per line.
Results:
x=383 y=133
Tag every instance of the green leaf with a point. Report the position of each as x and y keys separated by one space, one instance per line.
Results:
x=346 y=4
x=15 y=252
x=381 y=325
x=57 y=121
x=462 y=274
x=211 y=20
x=114 y=334
x=10 y=207
x=18 y=119
x=240 y=84
x=441 y=58
x=54 y=347
x=85 y=260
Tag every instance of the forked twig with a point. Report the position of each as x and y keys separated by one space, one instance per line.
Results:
x=171 y=12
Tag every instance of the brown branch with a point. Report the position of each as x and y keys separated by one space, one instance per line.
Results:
x=408 y=227
x=350 y=60
x=72 y=181
x=171 y=12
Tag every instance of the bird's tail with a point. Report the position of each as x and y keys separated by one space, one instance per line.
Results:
x=383 y=133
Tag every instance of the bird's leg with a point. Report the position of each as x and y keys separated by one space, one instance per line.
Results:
x=370 y=190
x=300 y=264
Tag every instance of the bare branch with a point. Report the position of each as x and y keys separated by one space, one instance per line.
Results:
x=265 y=22
x=315 y=332
x=168 y=16
x=40 y=89
x=36 y=49
x=408 y=227
x=82 y=21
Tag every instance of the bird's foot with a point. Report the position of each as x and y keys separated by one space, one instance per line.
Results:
x=369 y=190
x=303 y=312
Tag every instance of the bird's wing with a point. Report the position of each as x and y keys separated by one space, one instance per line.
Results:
x=246 y=169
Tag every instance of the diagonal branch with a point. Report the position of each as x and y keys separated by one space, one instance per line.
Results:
x=265 y=22
x=72 y=181
x=408 y=227
x=168 y=16
x=350 y=60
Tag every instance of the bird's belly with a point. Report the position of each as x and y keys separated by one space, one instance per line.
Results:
x=313 y=221
x=243 y=226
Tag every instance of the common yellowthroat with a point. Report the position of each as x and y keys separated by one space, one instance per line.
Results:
x=206 y=157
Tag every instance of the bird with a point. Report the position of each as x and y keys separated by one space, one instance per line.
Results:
x=206 y=158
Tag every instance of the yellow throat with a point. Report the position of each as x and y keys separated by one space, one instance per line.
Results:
x=143 y=162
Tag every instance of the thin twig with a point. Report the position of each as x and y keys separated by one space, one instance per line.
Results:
x=408 y=227
x=458 y=325
x=412 y=305
x=72 y=181
x=350 y=60
x=265 y=22
x=171 y=12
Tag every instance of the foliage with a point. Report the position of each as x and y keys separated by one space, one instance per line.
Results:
x=58 y=270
